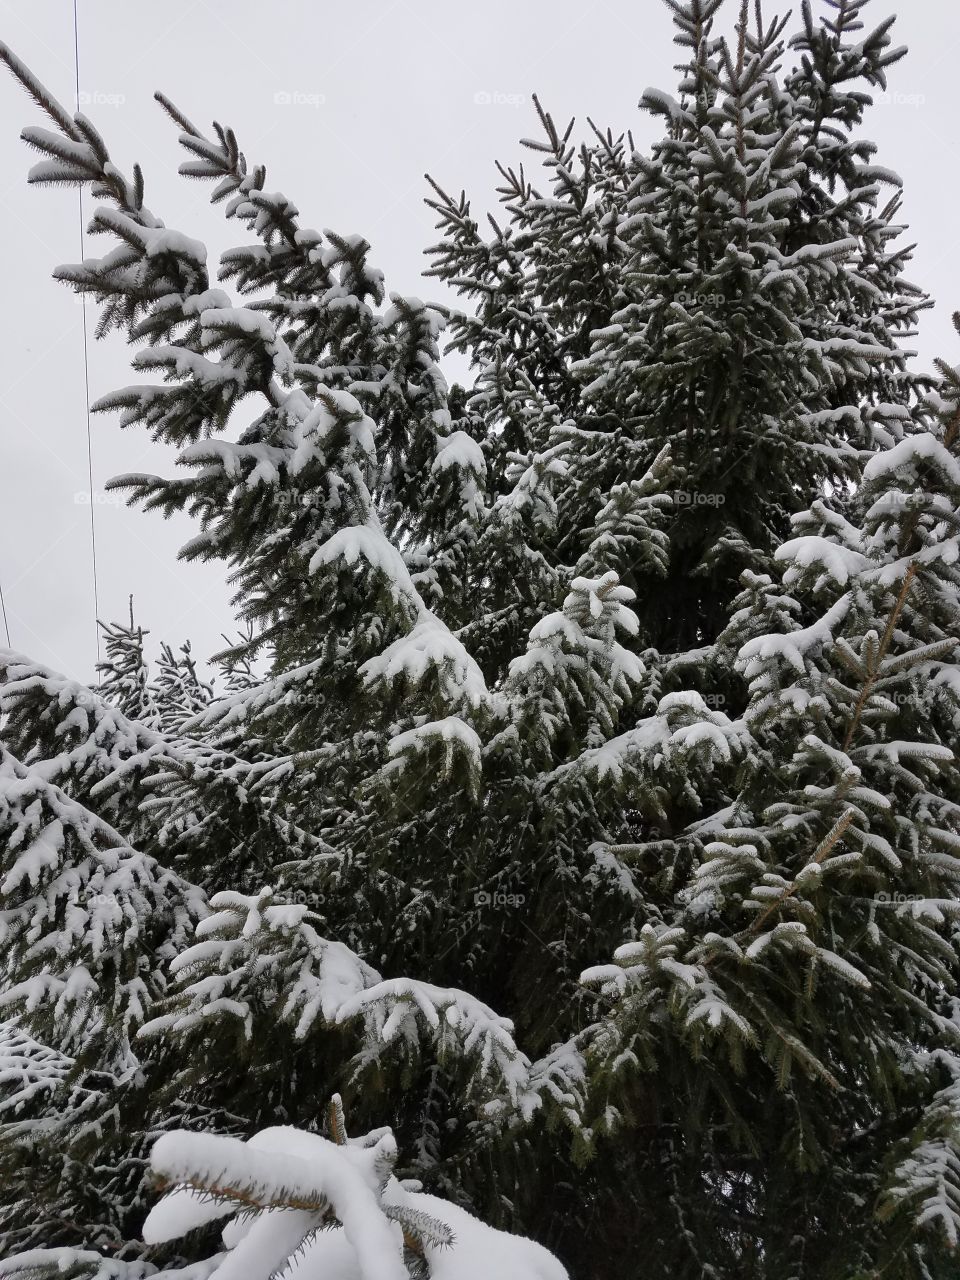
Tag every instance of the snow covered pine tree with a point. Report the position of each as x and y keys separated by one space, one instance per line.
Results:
x=91 y=924
x=124 y=673
x=525 y=669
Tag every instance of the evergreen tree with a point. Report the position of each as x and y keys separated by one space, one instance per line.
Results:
x=87 y=927
x=744 y=303
x=316 y=1204
x=594 y=649
x=124 y=674
x=803 y=983
x=178 y=691
x=236 y=667
x=190 y=803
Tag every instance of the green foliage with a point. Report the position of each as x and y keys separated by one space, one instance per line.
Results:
x=648 y=636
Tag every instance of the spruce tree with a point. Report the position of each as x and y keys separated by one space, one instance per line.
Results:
x=125 y=672
x=290 y=1200
x=803 y=984
x=178 y=690
x=566 y=656
x=87 y=927
x=742 y=300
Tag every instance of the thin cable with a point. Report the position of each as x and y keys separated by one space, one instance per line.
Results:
x=3 y=613
x=86 y=369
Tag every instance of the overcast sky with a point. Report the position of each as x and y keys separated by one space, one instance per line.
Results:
x=347 y=105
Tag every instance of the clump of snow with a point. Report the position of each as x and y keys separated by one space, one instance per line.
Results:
x=310 y=1207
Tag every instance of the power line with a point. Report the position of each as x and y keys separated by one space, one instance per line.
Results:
x=86 y=366
x=3 y=612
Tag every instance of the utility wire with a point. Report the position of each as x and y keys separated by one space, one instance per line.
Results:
x=3 y=612
x=86 y=368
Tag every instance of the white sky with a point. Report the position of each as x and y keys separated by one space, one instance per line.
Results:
x=380 y=91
